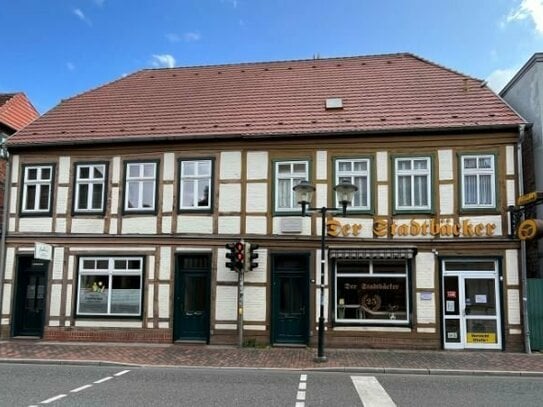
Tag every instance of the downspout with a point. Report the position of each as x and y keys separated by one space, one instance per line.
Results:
x=523 y=265
x=5 y=213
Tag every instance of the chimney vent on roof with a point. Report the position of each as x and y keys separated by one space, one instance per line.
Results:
x=334 y=103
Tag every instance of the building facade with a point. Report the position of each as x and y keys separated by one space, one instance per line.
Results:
x=122 y=200
x=523 y=93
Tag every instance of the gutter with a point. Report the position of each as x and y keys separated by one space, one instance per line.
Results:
x=523 y=265
x=262 y=136
x=7 y=190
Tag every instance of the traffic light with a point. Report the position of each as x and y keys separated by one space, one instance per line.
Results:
x=239 y=255
x=250 y=255
x=231 y=255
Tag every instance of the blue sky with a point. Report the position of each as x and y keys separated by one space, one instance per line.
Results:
x=55 y=49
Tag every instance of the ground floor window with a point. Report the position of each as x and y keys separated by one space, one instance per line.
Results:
x=110 y=286
x=372 y=291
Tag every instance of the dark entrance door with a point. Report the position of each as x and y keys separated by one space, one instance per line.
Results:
x=290 y=301
x=30 y=297
x=191 y=305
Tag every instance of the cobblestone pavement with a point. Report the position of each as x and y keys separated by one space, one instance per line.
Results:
x=471 y=362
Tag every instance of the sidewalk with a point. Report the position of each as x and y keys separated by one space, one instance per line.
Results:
x=360 y=360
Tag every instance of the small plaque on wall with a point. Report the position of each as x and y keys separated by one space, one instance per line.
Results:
x=291 y=225
x=426 y=296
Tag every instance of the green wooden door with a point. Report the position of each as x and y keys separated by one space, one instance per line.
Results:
x=535 y=312
x=30 y=297
x=191 y=305
x=290 y=303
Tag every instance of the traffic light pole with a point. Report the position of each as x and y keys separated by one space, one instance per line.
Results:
x=241 y=275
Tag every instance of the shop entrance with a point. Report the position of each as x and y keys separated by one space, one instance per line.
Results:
x=290 y=299
x=191 y=301
x=31 y=287
x=471 y=304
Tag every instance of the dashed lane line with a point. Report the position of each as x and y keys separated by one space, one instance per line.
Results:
x=302 y=387
x=371 y=393
x=84 y=387
x=60 y=396
x=81 y=388
x=105 y=379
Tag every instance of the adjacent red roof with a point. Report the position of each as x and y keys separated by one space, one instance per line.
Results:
x=379 y=93
x=16 y=111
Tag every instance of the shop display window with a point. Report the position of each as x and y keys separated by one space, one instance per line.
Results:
x=372 y=291
x=110 y=286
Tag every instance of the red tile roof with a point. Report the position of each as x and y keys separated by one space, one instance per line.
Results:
x=16 y=111
x=379 y=93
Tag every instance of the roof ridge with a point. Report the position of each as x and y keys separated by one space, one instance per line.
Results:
x=233 y=64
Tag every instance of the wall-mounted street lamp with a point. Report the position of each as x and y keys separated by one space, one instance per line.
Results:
x=303 y=194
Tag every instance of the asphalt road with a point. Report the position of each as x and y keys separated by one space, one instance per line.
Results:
x=65 y=385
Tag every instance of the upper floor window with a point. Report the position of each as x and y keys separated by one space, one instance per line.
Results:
x=90 y=181
x=356 y=172
x=140 y=188
x=287 y=175
x=413 y=178
x=37 y=185
x=478 y=181
x=195 y=184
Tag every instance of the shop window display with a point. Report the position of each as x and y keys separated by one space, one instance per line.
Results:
x=372 y=291
x=110 y=286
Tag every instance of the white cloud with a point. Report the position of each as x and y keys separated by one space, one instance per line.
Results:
x=500 y=77
x=99 y=3
x=532 y=9
x=163 y=61
x=187 y=37
x=234 y=3
x=70 y=66
x=82 y=16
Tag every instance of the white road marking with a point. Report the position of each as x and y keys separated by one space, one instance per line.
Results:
x=121 y=373
x=105 y=379
x=371 y=392
x=60 y=396
x=81 y=388
x=300 y=396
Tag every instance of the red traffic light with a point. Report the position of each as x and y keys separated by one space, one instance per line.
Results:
x=240 y=251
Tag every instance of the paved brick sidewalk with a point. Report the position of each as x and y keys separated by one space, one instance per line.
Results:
x=286 y=358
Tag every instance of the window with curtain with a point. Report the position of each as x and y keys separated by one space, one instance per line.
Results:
x=412 y=181
x=478 y=181
x=356 y=172
x=110 y=286
x=287 y=175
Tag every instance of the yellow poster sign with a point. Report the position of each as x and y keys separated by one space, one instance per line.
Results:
x=476 y=337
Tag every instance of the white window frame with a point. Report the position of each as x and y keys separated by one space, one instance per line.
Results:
x=38 y=183
x=197 y=179
x=387 y=316
x=478 y=172
x=293 y=179
x=351 y=175
x=140 y=179
x=412 y=173
x=108 y=273
x=91 y=182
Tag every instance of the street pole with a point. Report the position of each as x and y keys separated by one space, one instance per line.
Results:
x=240 y=307
x=320 y=348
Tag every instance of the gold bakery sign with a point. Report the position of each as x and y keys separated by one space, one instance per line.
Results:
x=430 y=227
